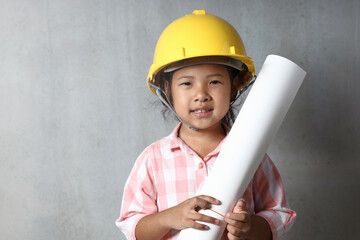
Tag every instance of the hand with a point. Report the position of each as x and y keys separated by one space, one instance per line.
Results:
x=239 y=222
x=186 y=214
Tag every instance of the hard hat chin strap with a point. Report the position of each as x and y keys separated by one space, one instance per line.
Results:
x=165 y=100
x=239 y=93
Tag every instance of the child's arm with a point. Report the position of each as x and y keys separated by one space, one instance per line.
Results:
x=182 y=216
x=241 y=225
x=269 y=201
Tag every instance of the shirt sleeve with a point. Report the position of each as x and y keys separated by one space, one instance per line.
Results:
x=270 y=200
x=139 y=196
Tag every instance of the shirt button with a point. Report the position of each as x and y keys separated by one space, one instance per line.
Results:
x=201 y=165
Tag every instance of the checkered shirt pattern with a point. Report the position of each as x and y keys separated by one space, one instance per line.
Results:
x=168 y=172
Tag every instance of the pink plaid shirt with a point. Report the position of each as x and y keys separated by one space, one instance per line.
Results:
x=168 y=172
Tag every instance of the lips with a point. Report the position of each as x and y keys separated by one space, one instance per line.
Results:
x=202 y=112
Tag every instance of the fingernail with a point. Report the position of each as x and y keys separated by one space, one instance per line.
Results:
x=228 y=214
x=217 y=221
x=206 y=227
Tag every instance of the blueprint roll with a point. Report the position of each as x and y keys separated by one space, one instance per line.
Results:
x=242 y=152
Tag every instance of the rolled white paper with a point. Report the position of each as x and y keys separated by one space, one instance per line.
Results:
x=256 y=125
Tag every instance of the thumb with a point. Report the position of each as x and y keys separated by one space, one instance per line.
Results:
x=240 y=206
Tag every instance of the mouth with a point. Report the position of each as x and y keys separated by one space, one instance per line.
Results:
x=202 y=112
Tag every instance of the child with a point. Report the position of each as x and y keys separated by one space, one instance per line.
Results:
x=200 y=65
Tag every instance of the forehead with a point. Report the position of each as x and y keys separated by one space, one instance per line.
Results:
x=202 y=69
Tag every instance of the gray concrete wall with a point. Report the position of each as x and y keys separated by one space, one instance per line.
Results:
x=75 y=111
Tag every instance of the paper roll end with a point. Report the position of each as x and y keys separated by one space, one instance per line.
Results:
x=278 y=58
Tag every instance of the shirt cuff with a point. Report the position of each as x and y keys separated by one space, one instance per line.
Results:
x=275 y=223
x=128 y=226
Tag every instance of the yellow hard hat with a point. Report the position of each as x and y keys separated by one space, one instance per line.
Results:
x=199 y=38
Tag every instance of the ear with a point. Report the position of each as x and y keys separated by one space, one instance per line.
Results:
x=166 y=86
x=168 y=90
x=234 y=87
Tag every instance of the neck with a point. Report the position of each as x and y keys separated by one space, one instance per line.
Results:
x=202 y=141
x=215 y=131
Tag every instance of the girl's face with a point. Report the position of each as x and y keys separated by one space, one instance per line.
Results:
x=201 y=95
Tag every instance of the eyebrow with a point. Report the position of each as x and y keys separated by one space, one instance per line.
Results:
x=184 y=77
x=215 y=75
x=208 y=76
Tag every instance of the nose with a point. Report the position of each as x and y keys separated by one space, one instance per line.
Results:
x=201 y=94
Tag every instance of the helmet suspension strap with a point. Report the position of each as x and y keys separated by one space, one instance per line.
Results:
x=165 y=100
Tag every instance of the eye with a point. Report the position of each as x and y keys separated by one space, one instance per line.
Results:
x=185 y=83
x=215 y=82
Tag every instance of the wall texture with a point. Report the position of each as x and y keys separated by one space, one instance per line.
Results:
x=75 y=111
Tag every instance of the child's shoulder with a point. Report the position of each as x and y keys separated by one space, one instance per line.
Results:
x=166 y=143
x=153 y=156
x=159 y=147
x=159 y=144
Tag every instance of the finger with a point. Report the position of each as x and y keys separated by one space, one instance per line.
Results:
x=243 y=229
x=210 y=199
x=205 y=218
x=196 y=225
x=198 y=203
x=232 y=237
x=237 y=224
x=202 y=202
x=240 y=206
x=239 y=217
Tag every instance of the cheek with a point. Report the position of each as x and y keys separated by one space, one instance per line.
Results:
x=226 y=96
x=178 y=101
x=222 y=102
x=226 y=104
x=225 y=101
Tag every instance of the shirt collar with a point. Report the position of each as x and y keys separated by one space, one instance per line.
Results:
x=176 y=142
